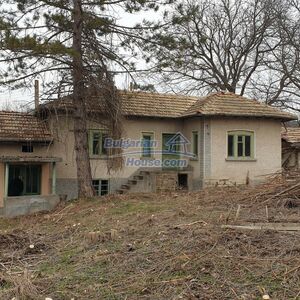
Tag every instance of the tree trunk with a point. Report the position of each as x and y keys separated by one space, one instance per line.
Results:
x=84 y=176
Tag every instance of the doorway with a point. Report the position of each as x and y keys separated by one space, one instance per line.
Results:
x=183 y=181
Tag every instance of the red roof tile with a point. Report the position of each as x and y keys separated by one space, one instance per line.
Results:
x=24 y=127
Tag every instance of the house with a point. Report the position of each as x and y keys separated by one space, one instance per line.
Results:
x=27 y=169
x=222 y=138
x=290 y=148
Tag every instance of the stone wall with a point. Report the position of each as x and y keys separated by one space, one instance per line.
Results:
x=166 y=181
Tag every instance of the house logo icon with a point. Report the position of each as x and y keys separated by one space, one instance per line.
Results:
x=177 y=144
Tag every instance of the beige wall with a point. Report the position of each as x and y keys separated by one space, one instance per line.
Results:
x=16 y=150
x=215 y=166
x=267 y=150
x=64 y=144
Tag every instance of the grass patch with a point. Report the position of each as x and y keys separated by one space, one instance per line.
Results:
x=150 y=247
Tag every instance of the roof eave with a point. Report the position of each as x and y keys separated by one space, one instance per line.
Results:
x=281 y=118
x=22 y=140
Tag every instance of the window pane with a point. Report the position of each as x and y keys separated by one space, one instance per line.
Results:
x=146 y=151
x=104 y=187
x=240 y=149
x=32 y=181
x=248 y=145
x=16 y=180
x=96 y=186
x=27 y=148
x=230 y=145
x=103 y=149
x=96 y=143
x=195 y=143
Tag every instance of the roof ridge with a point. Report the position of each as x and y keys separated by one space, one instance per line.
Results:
x=16 y=112
x=159 y=94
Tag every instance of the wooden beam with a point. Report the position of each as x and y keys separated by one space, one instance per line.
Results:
x=54 y=178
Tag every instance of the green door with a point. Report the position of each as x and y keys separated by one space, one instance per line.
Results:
x=170 y=151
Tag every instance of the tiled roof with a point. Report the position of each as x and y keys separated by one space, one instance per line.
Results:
x=136 y=104
x=291 y=134
x=174 y=106
x=155 y=105
x=230 y=104
x=24 y=127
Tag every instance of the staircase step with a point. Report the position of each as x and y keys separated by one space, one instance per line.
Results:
x=121 y=191
x=138 y=177
x=132 y=182
x=144 y=172
x=125 y=187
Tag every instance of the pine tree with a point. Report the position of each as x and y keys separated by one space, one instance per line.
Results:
x=72 y=41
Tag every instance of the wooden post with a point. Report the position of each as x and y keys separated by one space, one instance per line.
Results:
x=54 y=178
x=36 y=94
x=6 y=179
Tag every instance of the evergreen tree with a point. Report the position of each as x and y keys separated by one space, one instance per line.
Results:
x=72 y=41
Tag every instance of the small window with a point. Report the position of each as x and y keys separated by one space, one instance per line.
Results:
x=101 y=187
x=147 y=144
x=27 y=148
x=96 y=142
x=240 y=144
x=195 y=143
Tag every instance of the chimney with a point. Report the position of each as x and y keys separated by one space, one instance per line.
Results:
x=131 y=86
x=36 y=94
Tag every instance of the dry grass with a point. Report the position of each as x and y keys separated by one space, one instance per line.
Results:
x=168 y=246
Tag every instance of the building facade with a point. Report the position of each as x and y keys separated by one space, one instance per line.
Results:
x=169 y=142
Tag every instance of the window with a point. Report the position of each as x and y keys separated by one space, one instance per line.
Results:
x=101 y=187
x=27 y=148
x=195 y=143
x=240 y=144
x=97 y=142
x=24 y=180
x=147 y=143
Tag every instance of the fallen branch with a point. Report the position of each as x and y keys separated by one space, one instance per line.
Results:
x=282 y=192
x=193 y=223
x=266 y=226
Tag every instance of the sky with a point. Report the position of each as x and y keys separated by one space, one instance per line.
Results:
x=23 y=99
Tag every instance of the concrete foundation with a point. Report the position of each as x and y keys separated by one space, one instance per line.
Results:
x=25 y=205
x=67 y=188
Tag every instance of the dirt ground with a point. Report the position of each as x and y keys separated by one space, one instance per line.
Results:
x=149 y=246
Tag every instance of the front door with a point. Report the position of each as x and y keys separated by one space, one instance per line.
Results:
x=170 y=151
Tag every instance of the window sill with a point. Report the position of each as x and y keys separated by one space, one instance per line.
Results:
x=241 y=159
x=194 y=159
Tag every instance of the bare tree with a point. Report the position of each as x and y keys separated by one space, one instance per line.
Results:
x=285 y=60
x=221 y=45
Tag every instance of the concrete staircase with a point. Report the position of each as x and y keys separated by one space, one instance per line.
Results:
x=134 y=181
